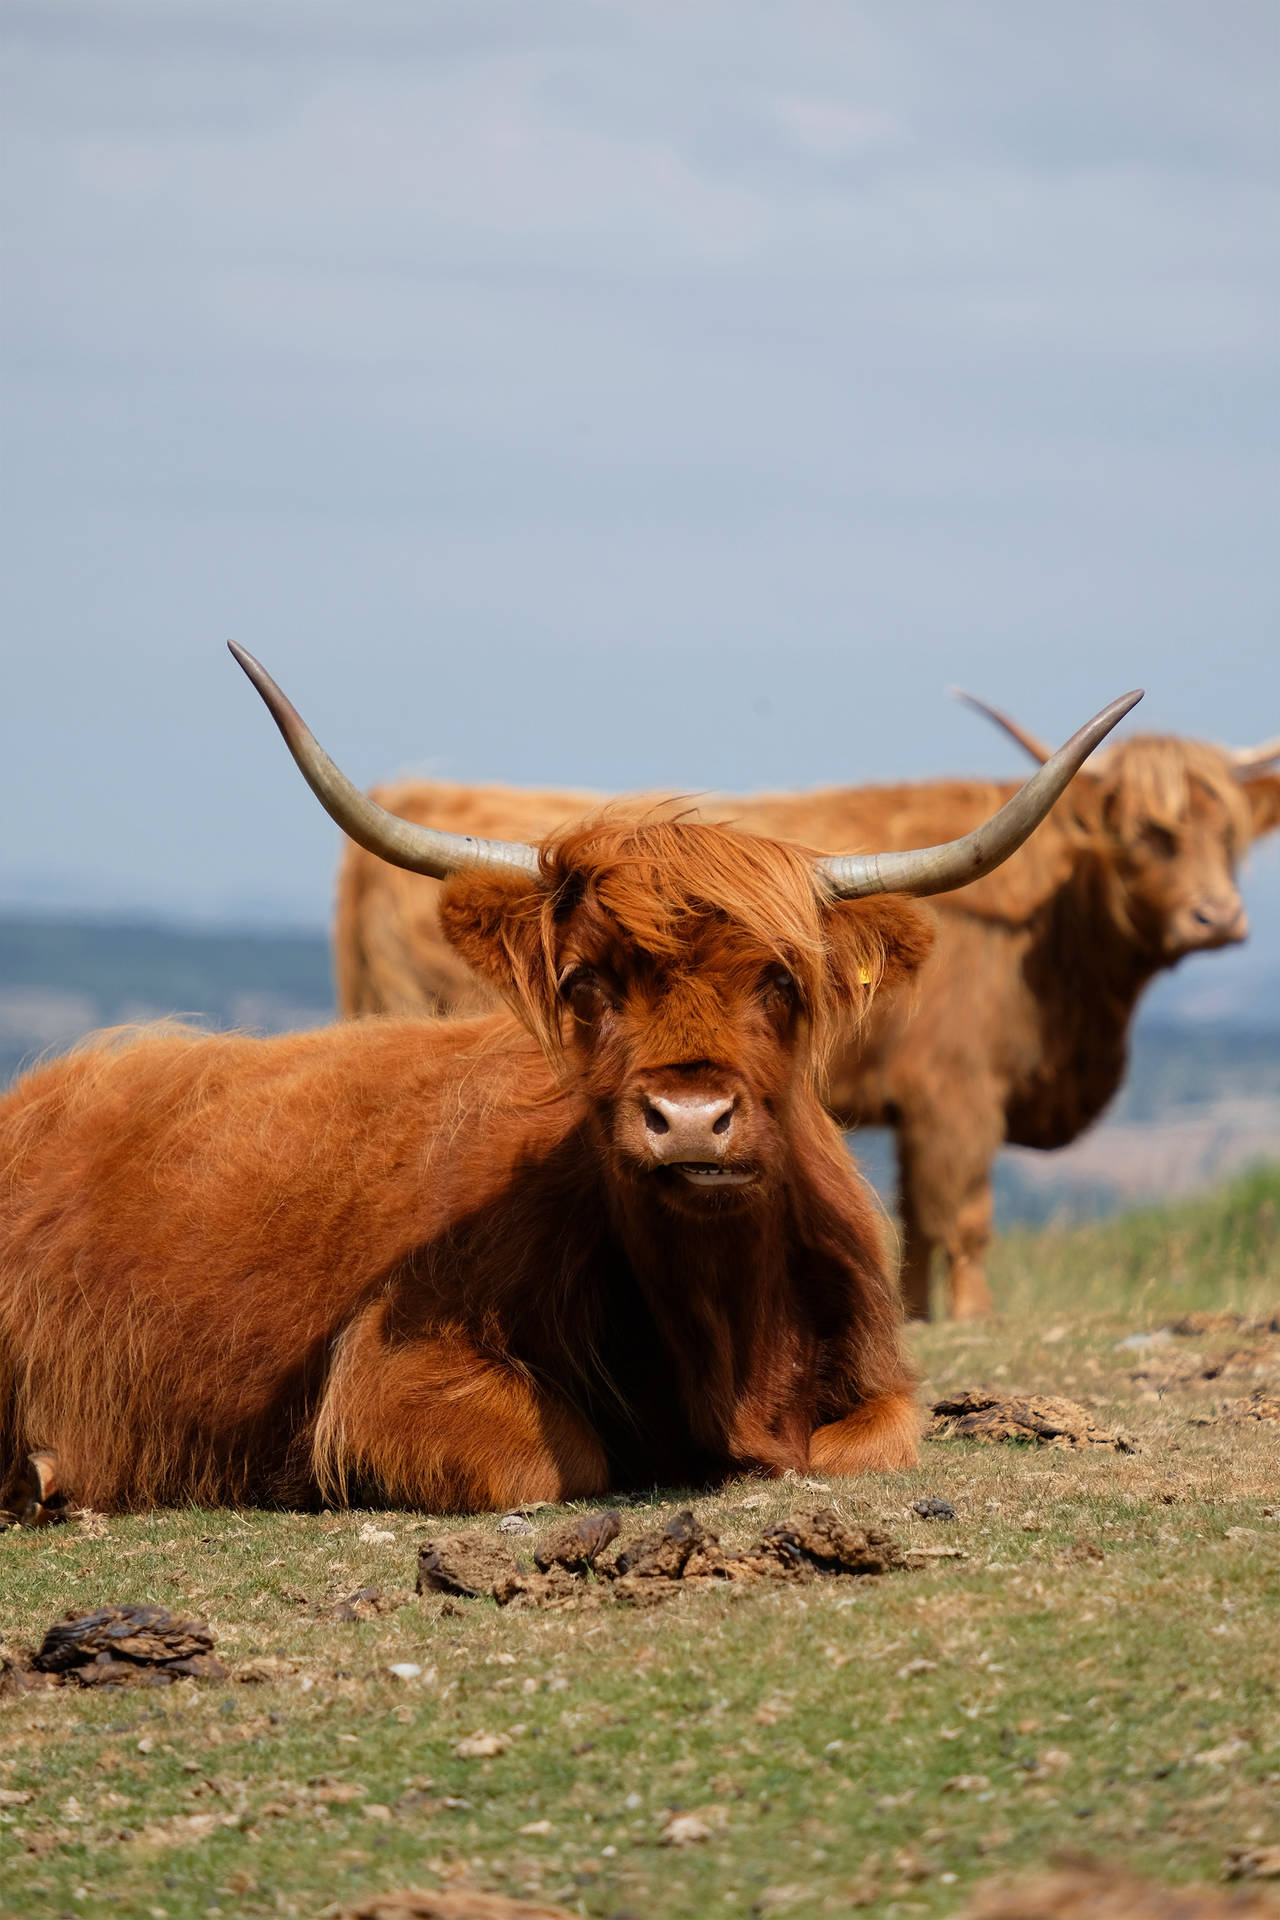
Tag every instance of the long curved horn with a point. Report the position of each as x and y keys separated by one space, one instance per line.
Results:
x=958 y=862
x=404 y=844
x=1247 y=760
x=1027 y=741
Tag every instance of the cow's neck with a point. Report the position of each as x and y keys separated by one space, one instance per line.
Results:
x=1085 y=975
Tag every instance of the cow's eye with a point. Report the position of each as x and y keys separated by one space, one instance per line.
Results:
x=1159 y=841
x=583 y=992
x=779 y=986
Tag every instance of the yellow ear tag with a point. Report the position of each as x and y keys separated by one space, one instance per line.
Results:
x=864 y=977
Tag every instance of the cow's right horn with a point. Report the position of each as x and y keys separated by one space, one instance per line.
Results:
x=1027 y=741
x=957 y=863
x=401 y=842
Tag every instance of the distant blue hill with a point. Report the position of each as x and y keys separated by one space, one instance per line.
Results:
x=61 y=976
x=1196 y=1053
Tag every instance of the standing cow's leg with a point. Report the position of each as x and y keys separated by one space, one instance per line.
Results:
x=432 y=1422
x=968 y=1295
x=876 y=1437
x=945 y=1187
x=915 y=1268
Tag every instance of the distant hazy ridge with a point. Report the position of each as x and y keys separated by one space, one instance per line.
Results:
x=1202 y=1098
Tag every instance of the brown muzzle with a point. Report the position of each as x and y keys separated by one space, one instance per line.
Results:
x=1218 y=920
x=680 y=1129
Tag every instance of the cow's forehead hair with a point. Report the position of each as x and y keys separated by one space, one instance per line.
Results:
x=663 y=887
x=1162 y=780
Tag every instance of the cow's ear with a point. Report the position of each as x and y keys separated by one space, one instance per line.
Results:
x=877 y=942
x=494 y=920
x=1263 y=794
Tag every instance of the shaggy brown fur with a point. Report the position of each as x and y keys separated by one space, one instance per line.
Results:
x=1019 y=1031
x=438 y=1265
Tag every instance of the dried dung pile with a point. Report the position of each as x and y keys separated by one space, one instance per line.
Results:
x=366 y=1603
x=1252 y=1863
x=1104 y=1893
x=130 y=1646
x=577 y=1545
x=567 y=1567
x=461 y=1565
x=1165 y=1371
x=1196 y=1325
x=456 y=1905
x=1037 y=1418
x=1262 y=1404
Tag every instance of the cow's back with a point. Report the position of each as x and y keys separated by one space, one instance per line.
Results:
x=390 y=955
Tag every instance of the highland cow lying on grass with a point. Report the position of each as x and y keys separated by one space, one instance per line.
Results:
x=613 y=1239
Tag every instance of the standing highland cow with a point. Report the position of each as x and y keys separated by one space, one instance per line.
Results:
x=1019 y=1029
x=610 y=1240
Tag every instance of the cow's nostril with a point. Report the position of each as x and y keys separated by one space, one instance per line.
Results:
x=1215 y=913
x=654 y=1121
x=725 y=1121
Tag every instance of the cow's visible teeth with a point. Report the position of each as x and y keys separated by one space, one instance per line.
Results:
x=704 y=1174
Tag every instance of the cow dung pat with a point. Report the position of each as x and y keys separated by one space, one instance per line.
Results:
x=366 y=1603
x=463 y=1564
x=129 y=1646
x=1195 y=1325
x=1262 y=1404
x=520 y=1587
x=664 y=1554
x=819 y=1541
x=17 y=1675
x=656 y=1566
x=576 y=1544
x=1039 y=1418
x=457 y=1904
x=1095 y=1891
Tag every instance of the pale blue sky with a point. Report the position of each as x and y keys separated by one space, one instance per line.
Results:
x=616 y=394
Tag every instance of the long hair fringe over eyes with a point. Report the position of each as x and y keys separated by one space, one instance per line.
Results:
x=666 y=883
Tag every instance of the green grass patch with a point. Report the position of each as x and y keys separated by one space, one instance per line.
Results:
x=1097 y=1674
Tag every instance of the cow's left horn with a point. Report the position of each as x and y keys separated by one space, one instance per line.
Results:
x=1247 y=760
x=958 y=862
x=402 y=842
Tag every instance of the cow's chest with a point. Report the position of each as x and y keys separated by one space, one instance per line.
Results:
x=1062 y=1084
x=689 y=1395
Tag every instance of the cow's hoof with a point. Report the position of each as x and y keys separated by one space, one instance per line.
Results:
x=42 y=1502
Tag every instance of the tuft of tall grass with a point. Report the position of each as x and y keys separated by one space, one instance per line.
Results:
x=1220 y=1250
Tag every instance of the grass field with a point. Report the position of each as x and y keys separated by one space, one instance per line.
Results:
x=1098 y=1673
